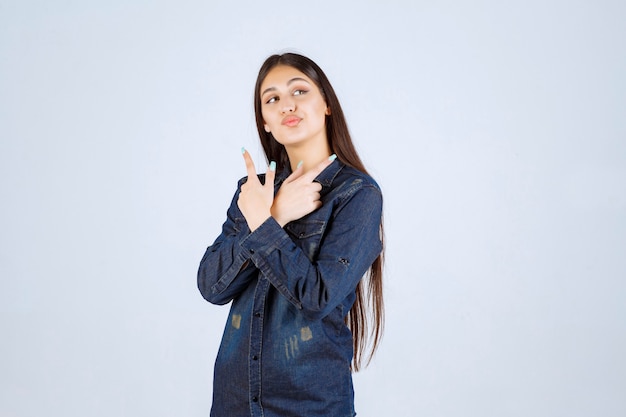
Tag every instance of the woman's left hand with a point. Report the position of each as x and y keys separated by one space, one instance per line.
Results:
x=255 y=199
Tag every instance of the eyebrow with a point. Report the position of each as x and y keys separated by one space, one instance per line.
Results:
x=288 y=83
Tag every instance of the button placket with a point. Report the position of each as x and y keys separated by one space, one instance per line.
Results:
x=256 y=335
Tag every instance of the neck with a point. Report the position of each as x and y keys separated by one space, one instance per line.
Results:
x=309 y=155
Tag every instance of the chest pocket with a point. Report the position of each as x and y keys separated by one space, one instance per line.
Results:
x=307 y=234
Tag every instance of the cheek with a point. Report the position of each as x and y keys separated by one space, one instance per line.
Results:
x=322 y=111
x=264 y=116
x=322 y=107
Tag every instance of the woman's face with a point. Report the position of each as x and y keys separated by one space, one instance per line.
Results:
x=293 y=108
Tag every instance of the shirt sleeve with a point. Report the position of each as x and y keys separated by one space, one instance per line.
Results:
x=224 y=270
x=350 y=244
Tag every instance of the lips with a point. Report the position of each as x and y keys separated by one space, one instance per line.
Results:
x=291 y=121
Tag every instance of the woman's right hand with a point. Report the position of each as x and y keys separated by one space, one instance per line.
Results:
x=255 y=199
x=299 y=194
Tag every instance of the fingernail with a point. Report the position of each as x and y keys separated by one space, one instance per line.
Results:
x=272 y=166
x=332 y=157
x=243 y=150
x=300 y=164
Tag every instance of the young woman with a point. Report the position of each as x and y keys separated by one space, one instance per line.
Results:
x=295 y=246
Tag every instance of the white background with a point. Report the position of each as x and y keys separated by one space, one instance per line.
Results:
x=496 y=129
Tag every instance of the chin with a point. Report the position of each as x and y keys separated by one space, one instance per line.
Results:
x=290 y=140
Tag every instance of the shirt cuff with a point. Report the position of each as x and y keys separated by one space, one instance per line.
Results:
x=265 y=238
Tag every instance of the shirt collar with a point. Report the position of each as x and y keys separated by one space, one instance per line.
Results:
x=325 y=178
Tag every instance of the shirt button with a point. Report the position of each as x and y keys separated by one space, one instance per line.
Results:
x=252 y=251
x=255 y=358
x=255 y=399
x=257 y=314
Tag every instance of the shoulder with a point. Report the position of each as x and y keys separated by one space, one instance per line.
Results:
x=356 y=180
x=351 y=186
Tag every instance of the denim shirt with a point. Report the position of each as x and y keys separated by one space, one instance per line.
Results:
x=286 y=350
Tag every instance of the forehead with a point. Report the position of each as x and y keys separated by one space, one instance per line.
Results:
x=281 y=76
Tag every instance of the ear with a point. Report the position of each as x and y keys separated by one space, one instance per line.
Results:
x=327 y=111
x=267 y=128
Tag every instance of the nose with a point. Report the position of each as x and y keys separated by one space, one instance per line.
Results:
x=288 y=105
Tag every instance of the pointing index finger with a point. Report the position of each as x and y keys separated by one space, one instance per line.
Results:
x=313 y=173
x=251 y=170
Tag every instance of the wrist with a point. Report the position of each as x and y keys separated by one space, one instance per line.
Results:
x=281 y=222
x=257 y=221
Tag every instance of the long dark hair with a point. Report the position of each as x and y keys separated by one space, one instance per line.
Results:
x=368 y=293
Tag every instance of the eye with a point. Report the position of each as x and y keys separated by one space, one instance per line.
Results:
x=271 y=100
x=299 y=92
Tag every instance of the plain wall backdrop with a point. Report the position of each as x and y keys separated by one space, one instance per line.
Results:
x=496 y=129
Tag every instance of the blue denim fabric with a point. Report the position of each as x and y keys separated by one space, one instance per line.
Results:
x=286 y=350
